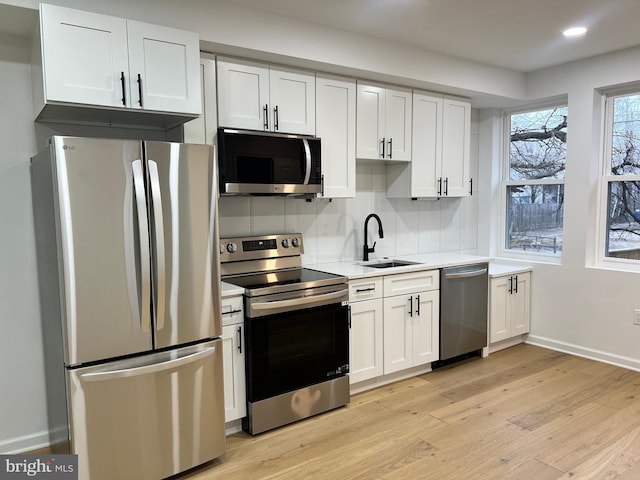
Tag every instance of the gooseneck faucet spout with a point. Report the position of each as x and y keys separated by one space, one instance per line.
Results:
x=368 y=250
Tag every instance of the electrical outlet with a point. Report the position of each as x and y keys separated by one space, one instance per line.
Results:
x=636 y=316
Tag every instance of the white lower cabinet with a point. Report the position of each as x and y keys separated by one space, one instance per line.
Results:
x=394 y=323
x=235 y=405
x=365 y=335
x=411 y=320
x=509 y=309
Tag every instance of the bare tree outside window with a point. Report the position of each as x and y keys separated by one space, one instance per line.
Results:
x=535 y=184
x=623 y=212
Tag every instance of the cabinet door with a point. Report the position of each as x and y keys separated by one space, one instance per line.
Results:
x=425 y=325
x=365 y=341
x=520 y=304
x=500 y=309
x=370 y=121
x=456 y=140
x=398 y=108
x=84 y=57
x=243 y=94
x=292 y=101
x=426 y=145
x=234 y=375
x=203 y=128
x=164 y=66
x=398 y=342
x=336 y=127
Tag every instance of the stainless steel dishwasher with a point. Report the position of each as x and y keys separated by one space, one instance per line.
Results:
x=463 y=310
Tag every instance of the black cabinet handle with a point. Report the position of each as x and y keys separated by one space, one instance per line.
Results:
x=390 y=147
x=418 y=304
x=140 y=90
x=471 y=186
x=265 y=114
x=383 y=141
x=360 y=290
x=349 y=317
x=411 y=306
x=124 y=96
x=516 y=284
x=440 y=186
x=510 y=285
x=240 y=339
x=276 y=118
x=231 y=312
x=446 y=186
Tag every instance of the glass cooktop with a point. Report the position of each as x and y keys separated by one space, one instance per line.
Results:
x=283 y=280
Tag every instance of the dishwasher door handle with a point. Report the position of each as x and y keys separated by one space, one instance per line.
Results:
x=472 y=273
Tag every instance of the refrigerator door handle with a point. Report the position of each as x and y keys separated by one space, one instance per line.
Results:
x=156 y=202
x=148 y=369
x=143 y=231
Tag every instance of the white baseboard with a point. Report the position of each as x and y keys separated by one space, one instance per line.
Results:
x=25 y=443
x=599 y=355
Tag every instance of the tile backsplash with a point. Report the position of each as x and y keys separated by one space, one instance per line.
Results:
x=334 y=230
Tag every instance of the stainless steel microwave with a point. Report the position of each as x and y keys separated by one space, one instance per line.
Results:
x=262 y=163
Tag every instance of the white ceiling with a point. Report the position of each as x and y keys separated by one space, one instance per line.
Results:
x=522 y=35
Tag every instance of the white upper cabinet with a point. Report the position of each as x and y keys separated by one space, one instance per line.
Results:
x=336 y=127
x=440 y=165
x=205 y=128
x=89 y=60
x=84 y=56
x=164 y=68
x=384 y=123
x=456 y=148
x=256 y=96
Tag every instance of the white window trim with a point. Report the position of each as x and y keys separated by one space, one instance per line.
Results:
x=505 y=182
x=604 y=178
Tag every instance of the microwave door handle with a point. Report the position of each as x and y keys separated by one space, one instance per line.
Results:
x=159 y=241
x=143 y=232
x=307 y=153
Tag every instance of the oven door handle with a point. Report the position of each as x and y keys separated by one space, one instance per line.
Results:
x=294 y=302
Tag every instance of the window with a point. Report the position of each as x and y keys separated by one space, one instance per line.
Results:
x=621 y=179
x=534 y=180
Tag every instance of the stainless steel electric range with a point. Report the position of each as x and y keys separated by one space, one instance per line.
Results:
x=296 y=330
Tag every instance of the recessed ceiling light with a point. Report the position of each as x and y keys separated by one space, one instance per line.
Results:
x=575 y=31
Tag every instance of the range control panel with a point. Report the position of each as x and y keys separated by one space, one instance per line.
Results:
x=265 y=246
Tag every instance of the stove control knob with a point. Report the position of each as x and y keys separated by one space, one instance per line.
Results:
x=295 y=242
x=285 y=243
x=231 y=247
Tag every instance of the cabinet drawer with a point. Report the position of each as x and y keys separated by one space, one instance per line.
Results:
x=365 y=289
x=414 y=282
x=232 y=310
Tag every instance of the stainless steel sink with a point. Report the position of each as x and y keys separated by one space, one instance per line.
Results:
x=390 y=264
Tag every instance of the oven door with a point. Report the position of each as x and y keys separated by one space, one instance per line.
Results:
x=295 y=349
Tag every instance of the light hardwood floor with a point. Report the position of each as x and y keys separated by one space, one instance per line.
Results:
x=522 y=413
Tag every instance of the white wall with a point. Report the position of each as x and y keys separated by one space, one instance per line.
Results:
x=575 y=306
x=22 y=402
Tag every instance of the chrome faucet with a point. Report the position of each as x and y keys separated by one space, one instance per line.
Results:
x=368 y=250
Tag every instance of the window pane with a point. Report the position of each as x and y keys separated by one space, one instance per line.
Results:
x=537 y=144
x=625 y=144
x=623 y=220
x=534 y=218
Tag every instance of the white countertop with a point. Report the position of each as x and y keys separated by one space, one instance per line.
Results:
x=499 y=268
x=358 y=269
x=228 y=290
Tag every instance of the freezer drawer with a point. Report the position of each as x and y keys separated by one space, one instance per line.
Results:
x=149 y=417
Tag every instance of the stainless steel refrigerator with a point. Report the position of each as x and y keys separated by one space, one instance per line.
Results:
x=126 y=235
